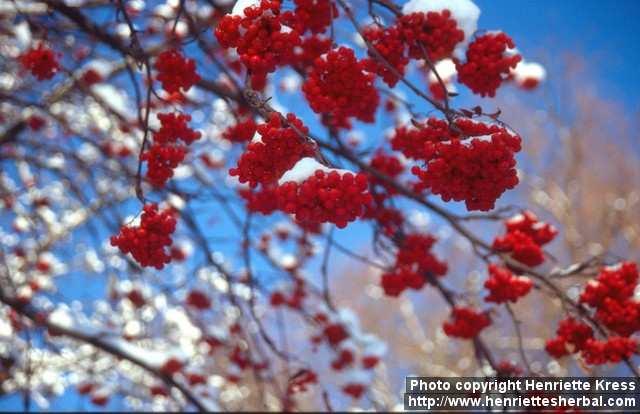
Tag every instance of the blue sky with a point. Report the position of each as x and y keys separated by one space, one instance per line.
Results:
x=605 y=34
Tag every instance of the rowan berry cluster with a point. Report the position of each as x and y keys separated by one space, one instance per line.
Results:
x=434 y=34
x=613 y=350
x=166 y=152
x=466 y=323
x=312 y=15
x=41 y=61
x=571 y=337
x=161 y=160
x=524 y=238
x=339 y=87
x=390 y=45
x=576 y=337
x=261 y=39
x=488 y=63
x=176 y=72
x=148 y=241
x=611 y=295
x=276 y=150
x=325 y=196
x=473 y=163
x=504 y=286
x=413 y=266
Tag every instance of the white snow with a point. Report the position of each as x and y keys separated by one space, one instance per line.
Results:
x=529 y=70
x=465 y=13
x=238 y=8
x=446 y=69
x=304 y=169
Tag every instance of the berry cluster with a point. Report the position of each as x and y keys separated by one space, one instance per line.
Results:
x=612 y=350
x=435 y=34
x=260 y=37
x=161 y=160
x=41 y=61
x=474 y=163
x=466 y=323
x=166 y=152
x=574 y=336
x=174 y=127
x=148 y=241
x=504 y=286
x=312 y=15
x=571 y=337
x=276 y=150
x=339 y=87
x=524 y=237
x=411 y=141
x=324 y=196
x=487 y=64
x=176 y=72
x=389 y=44
x=414 y=264
x=611 y=294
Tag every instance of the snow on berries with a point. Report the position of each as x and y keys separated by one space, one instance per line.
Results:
x=528 y=75
x=167 y=152
x=442 y=27
x=473 y=163
x=466 y=323
x=260 y=37
x=176 y=72
x=41 y=61
x=504 y=286
x=488 y=63
x=149 y=241
x=524 y=237
x=318 y=194
x=276 y=148
x=339 y=87
x=413 y=266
